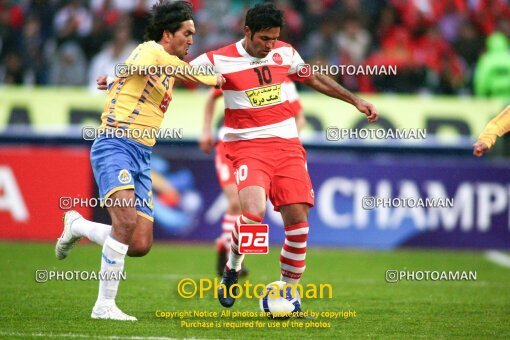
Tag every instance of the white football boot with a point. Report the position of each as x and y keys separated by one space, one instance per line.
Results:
x=67 y=240
x=110 y=312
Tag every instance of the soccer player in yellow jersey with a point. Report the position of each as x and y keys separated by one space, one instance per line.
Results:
x=496 y=128
x=121 y=165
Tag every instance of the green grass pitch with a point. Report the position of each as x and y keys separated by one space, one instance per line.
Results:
x=440 y=309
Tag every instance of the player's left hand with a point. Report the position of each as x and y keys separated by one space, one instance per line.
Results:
x=102 y=83
x=206 y=142
x=220 y=81
x=480 y=148
x=368 y=109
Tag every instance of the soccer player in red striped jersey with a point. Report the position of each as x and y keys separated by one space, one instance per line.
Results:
x=261 y=137
x=225 y=169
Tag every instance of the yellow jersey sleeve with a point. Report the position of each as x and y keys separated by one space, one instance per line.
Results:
x=138 y=102
x=497 y=127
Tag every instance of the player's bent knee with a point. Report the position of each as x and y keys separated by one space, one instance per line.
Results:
x=138 y=252
x=139 y=249
x=127 y=221
x=292 y=221
x=234 y=208
x=294 y=213
x=128 y=225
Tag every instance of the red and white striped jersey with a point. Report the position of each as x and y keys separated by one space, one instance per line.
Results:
x=292 y=94
x=257 y=104
x=288 y=87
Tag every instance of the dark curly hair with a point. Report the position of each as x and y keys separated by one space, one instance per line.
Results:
x=167 y=16
x=263 y=16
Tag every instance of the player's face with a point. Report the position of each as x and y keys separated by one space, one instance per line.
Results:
x=182 y=39
x=262 y=42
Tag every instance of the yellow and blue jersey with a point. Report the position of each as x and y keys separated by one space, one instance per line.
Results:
x=140 y=101
x=136 y=103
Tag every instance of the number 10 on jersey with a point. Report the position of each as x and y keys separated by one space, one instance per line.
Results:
x=241 y=173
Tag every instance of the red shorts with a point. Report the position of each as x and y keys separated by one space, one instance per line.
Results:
x=278 y=165
x=224 y=168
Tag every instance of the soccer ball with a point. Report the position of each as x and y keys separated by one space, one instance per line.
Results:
x=280 y=299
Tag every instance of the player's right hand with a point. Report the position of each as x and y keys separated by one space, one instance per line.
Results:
x=102 y=83
x=220 y=81
x=368 y=109
x=480 y=148
x=206 y=142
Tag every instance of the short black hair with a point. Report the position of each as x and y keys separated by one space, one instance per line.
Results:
x=263 y=16
x=167 y=16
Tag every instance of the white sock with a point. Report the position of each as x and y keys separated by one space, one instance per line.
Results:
x=293 y=254
x=96 y=232
x=227 y=226
x=235 y=260
x=112 y=260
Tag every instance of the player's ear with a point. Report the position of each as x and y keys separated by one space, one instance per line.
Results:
x=167 y=35
x=247 y=32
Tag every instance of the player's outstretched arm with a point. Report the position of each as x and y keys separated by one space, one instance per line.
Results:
x=331 y=88
x=494 y=129
x=206 y=141
x=187 y=72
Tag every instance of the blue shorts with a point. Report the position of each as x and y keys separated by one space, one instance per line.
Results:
x=122 y=163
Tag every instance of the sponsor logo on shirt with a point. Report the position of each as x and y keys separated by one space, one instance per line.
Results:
x=265 y=95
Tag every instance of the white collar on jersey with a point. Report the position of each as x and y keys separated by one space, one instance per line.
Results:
x=242 y=51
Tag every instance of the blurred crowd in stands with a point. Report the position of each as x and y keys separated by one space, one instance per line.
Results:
x=439 y=46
